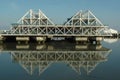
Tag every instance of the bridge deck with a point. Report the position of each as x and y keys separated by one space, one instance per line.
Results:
x=26 y=30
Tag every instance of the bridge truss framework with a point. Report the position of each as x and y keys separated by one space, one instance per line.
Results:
x=36 y=23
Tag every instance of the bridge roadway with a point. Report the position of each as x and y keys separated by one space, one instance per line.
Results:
x=54 y=30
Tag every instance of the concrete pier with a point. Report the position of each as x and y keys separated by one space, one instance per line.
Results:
x=99 y=38
x=22 y=39
x=40 y=39
x=95 y=40
x=82 y=40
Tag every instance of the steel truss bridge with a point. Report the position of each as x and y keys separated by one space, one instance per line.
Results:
x=43 y=58
x=36 y=23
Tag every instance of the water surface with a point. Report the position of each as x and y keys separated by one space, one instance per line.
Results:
x=60 y=61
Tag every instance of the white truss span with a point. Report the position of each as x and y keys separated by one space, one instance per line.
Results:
x=37 y=23
x=35 y=18
x=84 y=19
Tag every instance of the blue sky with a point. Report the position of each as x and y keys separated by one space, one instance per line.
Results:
x=58 y=11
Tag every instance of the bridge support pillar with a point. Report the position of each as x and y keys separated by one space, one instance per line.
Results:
x=99 y=39
x=40 y=39
x=82 y=40
x=22 y=39
x=95 y=40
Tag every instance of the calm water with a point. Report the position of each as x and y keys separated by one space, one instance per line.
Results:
x=60 y=61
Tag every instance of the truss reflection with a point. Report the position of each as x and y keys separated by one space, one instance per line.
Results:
x=76 y=56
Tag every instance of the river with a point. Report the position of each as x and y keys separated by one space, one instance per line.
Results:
x=60 y=60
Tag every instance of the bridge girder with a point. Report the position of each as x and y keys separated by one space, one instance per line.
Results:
x=59 y=30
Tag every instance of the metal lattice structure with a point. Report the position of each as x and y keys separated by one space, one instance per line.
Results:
x=30 y=60
x=35 y=18
x=37 y=23
x=84 y=19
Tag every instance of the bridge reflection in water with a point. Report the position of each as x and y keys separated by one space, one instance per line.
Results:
x=34 y=56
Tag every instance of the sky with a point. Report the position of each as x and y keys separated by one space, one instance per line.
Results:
x=107 y=11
